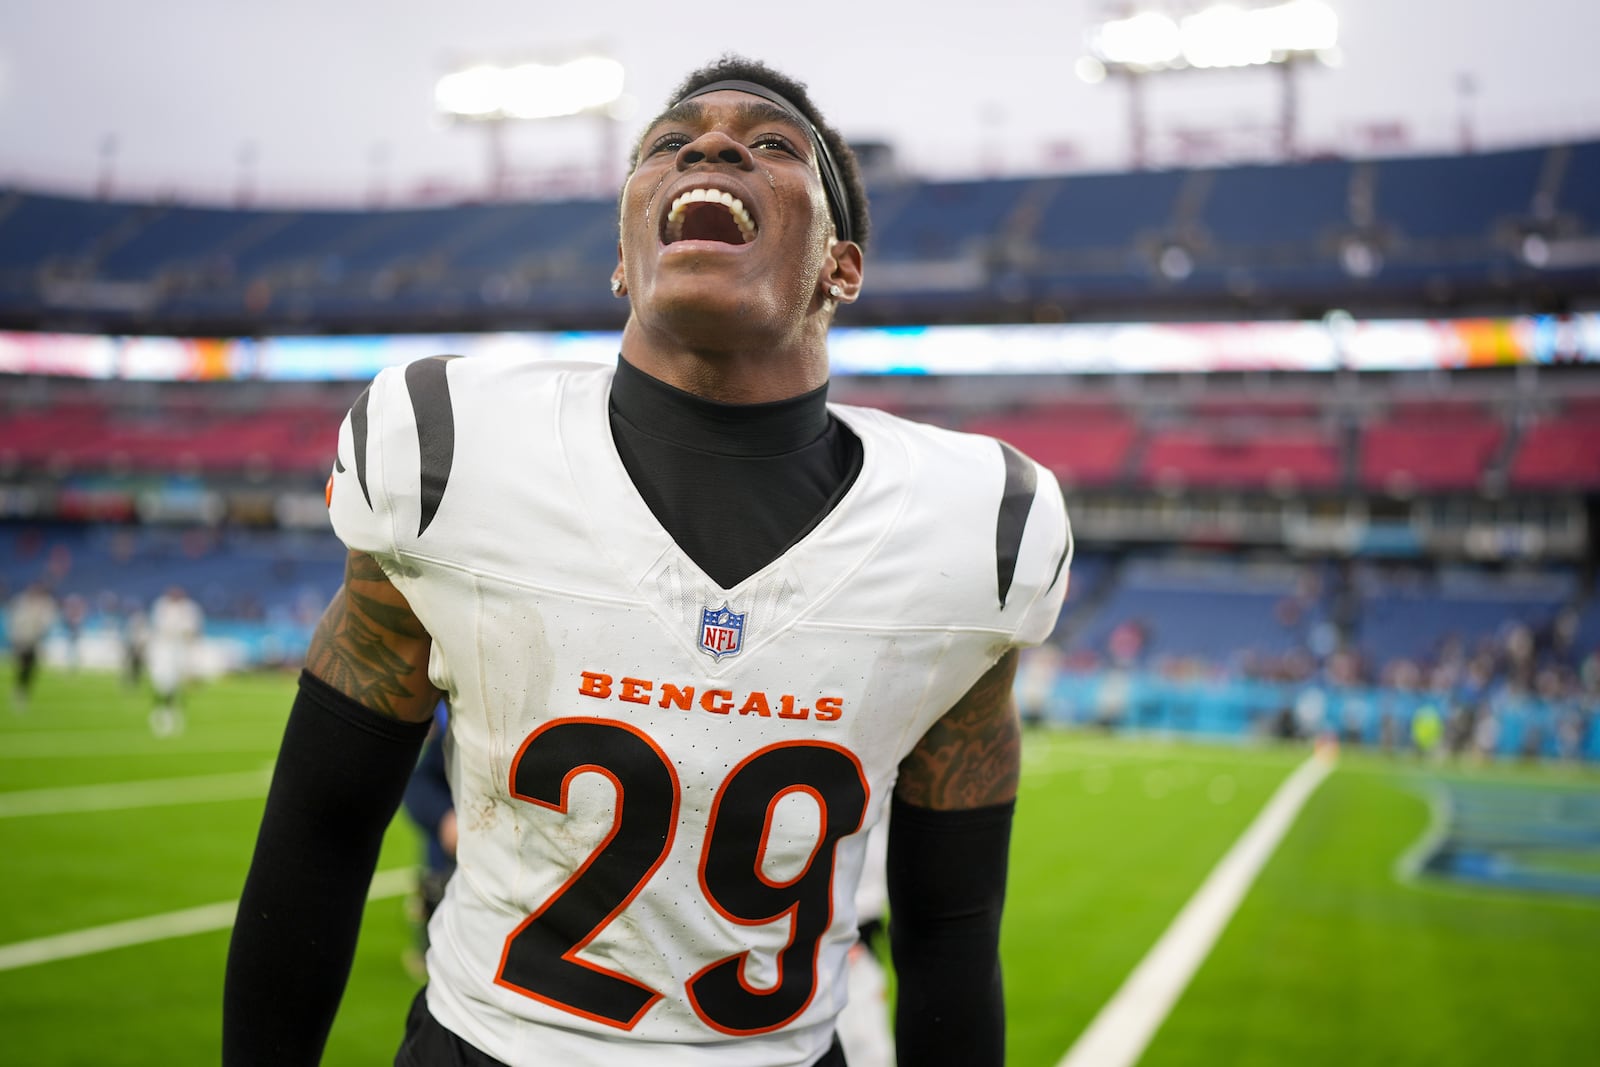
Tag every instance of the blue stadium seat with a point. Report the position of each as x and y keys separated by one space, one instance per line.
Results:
x=947 y=220
x=39 y=229
x=1216 y=611
x=585 y=230
x=1413 y=619
x=242 y=574
x=182 y=237
x=1265 y=236
x=1107 y=211
x=1579 y=197
x=309 y=239
x=1264 y=206
x=1483 y=190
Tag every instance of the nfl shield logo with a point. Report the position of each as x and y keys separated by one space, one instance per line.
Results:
x=721 y=631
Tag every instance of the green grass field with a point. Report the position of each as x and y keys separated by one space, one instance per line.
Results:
x=1332 y=958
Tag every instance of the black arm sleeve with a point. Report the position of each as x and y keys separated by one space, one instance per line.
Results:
x=339 y=777
x=947 y=887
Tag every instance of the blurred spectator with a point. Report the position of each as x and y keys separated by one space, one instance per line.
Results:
x=864 y=1026
x=428 y=802
x=1036 y=680
x=1127 y=643
x=31 y=615
x=74 y=613
x=1427 y=731
x=135 y=644
x=176 y=625
x=1485 y=734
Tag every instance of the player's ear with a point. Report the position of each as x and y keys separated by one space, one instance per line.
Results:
x=619 y=283
x=841 y=272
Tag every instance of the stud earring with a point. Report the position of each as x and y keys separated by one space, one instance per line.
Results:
x=835 y=292
x=616 y=286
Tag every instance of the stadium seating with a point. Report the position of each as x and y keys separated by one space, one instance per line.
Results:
x=1429 y=448
x=47 y=233
x=269 y=576
x=1578 y=203
x=1130 y=243
x=1558 y=454
x=944 y=220
x=1259 y=458
x=1279 y=442
x=177 y=240
x=1084 y=448
x=1411 y=615
x=1107 y=212
x=1235 y=615
x=88 y=438
x=1099 y=235
x=1299 y=205
x=1485 y=191
x=1210 y=610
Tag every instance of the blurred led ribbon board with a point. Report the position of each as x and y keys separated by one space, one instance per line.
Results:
x=1328 y=344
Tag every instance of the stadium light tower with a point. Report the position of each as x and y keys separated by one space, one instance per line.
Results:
x=491 y=95
x=1146 y=40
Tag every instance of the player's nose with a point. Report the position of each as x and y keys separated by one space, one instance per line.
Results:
x=714 y=146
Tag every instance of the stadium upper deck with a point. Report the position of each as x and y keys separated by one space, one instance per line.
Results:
x=1506 y=231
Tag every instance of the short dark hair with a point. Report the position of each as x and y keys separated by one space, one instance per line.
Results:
x=738 y=68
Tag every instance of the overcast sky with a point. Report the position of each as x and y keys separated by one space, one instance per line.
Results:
x=332 y=99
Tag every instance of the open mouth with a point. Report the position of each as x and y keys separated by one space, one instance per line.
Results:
x=708 y=215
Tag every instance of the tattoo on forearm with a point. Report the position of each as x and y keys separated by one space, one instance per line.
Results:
x=972 y=756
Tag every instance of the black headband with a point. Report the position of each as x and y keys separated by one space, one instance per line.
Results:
x=832 y=183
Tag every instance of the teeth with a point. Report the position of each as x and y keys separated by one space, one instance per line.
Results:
x=741 y=217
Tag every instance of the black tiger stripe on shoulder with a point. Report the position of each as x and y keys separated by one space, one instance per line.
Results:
x=1066 y=547
x=1061 y=561
x=429 y=386
x=1016 y=500
x=358 y=431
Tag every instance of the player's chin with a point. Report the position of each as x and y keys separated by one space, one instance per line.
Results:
x=708 y=290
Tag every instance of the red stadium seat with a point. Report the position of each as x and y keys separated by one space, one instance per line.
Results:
x=1558 y=454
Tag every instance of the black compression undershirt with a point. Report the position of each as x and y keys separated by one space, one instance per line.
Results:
x=735 y=485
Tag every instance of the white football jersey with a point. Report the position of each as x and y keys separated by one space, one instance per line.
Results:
x=176 y=626
x=664 y=787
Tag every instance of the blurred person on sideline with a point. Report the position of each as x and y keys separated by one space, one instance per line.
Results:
x=176 y=626
x=428 y=802
x=866 y=1029
x=699 y=629
x=135 y=644
x=74 y=614
x=1037 y=673
x=29 y=618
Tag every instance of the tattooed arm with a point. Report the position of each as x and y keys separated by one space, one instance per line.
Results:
x=949 y=837
x=972 y=756
x=357 y=725
x=370 y=647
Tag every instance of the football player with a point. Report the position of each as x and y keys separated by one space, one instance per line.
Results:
x=700 y=630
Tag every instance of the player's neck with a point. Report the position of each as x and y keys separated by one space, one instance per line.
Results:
x=747 y=372
x=659 y=410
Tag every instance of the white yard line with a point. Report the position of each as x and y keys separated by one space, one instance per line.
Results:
x=1119 y=1034
x=1408 y=868
x=121 y=796
x=201 y=920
